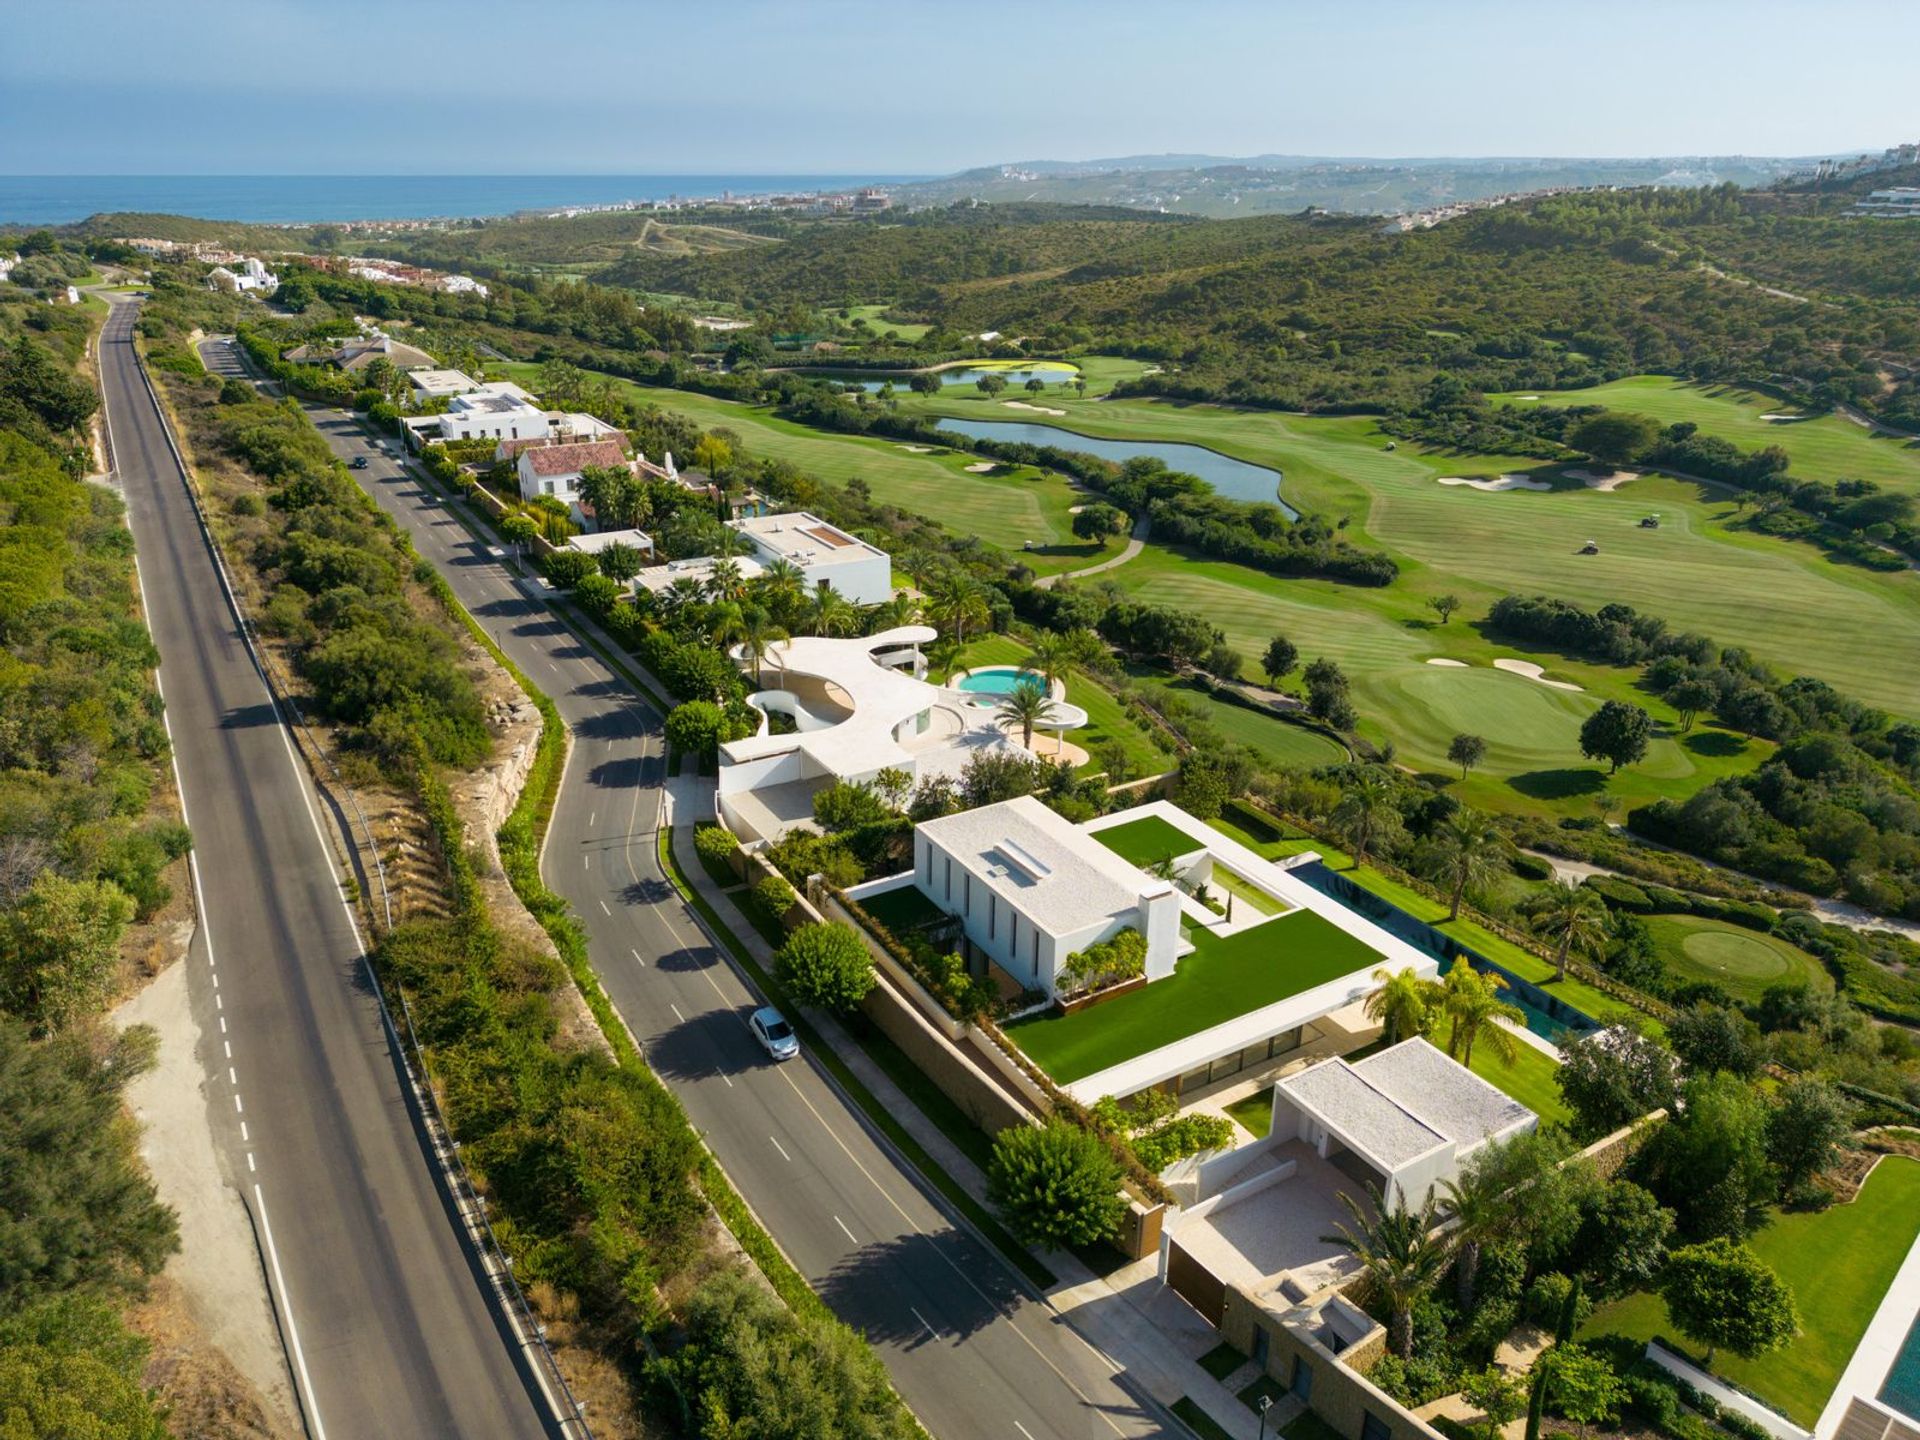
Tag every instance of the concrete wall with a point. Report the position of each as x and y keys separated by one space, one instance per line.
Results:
x=1342 y=1396
x=985 y=1102
x=780 y=769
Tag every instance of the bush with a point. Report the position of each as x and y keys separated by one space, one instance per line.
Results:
x=716 y=846
x=826 y=964
x=1120 y=957
x=1546 y=1297
x=776 y=894
x=567 y=568
x=1621 y=894
x=1529 y=867
x=1056 y=1186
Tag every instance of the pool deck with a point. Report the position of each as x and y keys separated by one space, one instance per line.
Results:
x=1874 y=1356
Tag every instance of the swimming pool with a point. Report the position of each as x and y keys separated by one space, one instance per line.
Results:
x=1902 y=1387
x=995 y=680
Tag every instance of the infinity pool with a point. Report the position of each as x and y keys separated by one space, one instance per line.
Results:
x=995 y=680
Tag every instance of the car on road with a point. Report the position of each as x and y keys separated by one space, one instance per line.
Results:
x=773 y=1032
x=359 y=462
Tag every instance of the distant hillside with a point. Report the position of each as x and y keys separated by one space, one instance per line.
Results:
x=1264 y=184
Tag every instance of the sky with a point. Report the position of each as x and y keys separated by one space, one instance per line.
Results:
x=917 y=87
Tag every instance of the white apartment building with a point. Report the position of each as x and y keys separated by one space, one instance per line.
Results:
x=555 y=469
x=859 y=571
x=1030 y=888
x=441 y=384
x=497 y=411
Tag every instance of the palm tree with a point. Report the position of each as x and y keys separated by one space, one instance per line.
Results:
x=783 y=580
x=1367 y=813
x=832 y=613
x=1401 y=1254
x=724 y=581
x=902 y=609
x=955 y=602
x=1576 y=919
x=1471 y=999
x=1026 y=705
x=1471 y=852
x=680 y=594
x=757 y=634
x=1482 y=1203
x=1051 y=654
x=1405 y=1004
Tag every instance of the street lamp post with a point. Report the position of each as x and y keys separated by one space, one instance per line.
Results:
x=1266 y=1404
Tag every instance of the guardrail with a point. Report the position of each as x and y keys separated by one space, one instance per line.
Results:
x=568 y=1414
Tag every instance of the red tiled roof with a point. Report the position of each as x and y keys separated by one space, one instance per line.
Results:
x=510 y=449
x=571 y=459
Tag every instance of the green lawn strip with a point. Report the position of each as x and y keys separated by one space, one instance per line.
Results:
x=1243 y=892
x=1280 y=742
x=1224 y=977
x=903 y=910
x=953 y=1124
x=1740 y=961
x=1503 y=952
x=1529 y=1079
x=1838 y=1262
x=1222 y=1361
x=1254 y=1113
x=1188 y=1412
x=1309 y=1426
x=1147 y=841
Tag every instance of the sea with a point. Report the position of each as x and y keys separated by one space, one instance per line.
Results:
x=311 y=199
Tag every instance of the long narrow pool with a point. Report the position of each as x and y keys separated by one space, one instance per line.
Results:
x=1901 y=1389
x=1235 y=479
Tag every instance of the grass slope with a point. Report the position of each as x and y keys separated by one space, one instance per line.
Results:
x=1740 y=961
x=1106 y=719
x=1839 y=1263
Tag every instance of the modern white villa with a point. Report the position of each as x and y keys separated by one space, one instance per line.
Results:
x=823 y=553
x=848 y=710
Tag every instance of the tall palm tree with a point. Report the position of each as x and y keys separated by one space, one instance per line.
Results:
x=1472 y=1002
x=783 y=580
x=1366 y=813
x=1405 y=1004
x=1051 y=654
x=757 y=634
x=724 y=580
x=682 y=593
x=1575 y=918
x=1028 y=704
x=1470 y=853
x=956 y=603
x=1401 y=1253
x=833 y=614
x=1483 y=1206
x=901 y=609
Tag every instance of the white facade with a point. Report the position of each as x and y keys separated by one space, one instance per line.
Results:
x=441 y=384
x=493 y=413
x=463 y=285
x=824 y=553
x=1030 y=888
x=1900 y=203
x=555 y=469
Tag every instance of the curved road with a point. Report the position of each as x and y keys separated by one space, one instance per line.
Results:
x=385 y=1315
x=975 y=1354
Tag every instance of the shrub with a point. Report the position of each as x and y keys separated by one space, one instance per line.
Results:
x=1120 y=957
x=826 y=964
x=1055 y=1186
x=567 y=568
x=716 y=847
x=1546 y=1297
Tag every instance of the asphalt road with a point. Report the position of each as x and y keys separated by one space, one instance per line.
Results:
x=971 y=1350
x=388 y=1328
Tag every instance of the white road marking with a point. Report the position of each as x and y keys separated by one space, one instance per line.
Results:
x=586 y=862
x=726 y=1077
x=293 y=1334
x=676 y=1012
x=930 y=1330
x=218 y=1004
x=238 y=1107
x=216 y=981
x=250 y=1165
x=1016 y=1424
x=782 y=1149
x=592 y=816
x=636 y=958
x=603 y=908
x=223 y=1024
x=227 y=1045
x=232 y=1079
x=243 y=1132
x=843 y=1228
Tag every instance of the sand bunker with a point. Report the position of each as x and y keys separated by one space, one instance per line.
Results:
x=982 y=467
x=1450 y=664
x=1526 y=397
x=1037 y=409
x=1779 y=419
x=918 y=449
x=1533 y=672
x=1503 y=482
x=1602 y=482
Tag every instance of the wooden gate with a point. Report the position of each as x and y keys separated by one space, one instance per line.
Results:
x=1199 y=1286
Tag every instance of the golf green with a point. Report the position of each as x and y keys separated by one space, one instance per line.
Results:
x=1742 y=962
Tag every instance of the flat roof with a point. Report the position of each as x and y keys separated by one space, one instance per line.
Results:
x=882 y=698
x=805 y=539
x=656 y=578
x=593 y=544
x=442 y=382
x=1404 y=1102
x=1059 y=876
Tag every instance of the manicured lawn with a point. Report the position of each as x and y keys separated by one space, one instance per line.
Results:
x=1254 y=1113
x=1529 y=1079
x=1839 y=1263
x=878 y=327
x=1243 y=892
x=1221 y=979
x=1742 y=962
x=1222 y=1361
x=1826 y=447
x=1281 y=742
x=902 y=910
x=1197 y=1420
x=1147 y=841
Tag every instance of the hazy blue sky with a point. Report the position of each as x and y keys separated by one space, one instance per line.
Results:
x=490 y=87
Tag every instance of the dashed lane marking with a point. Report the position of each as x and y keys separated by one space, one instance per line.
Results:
x=782 y=1149
x=843 y=1228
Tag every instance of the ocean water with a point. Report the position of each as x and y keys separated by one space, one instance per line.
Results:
x=308 y=199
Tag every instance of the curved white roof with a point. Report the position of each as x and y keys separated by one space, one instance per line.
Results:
x=882 y=699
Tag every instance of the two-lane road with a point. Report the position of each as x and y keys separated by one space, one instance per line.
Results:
x=971 y=1350
x=388 y=1328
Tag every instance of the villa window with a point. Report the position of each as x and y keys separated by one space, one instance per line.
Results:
x=1036 y=952
x=929 y=868
x=993 y=914
x=966 y=893
x=949 y=877
x=1372 y=1427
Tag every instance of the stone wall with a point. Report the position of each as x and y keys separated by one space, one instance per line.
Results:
x=984 y=1102
x=1341 y=1395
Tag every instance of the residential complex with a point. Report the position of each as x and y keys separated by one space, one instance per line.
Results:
x=823 y=553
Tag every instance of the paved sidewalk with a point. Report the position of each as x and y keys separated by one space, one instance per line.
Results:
x=1139 y=1325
